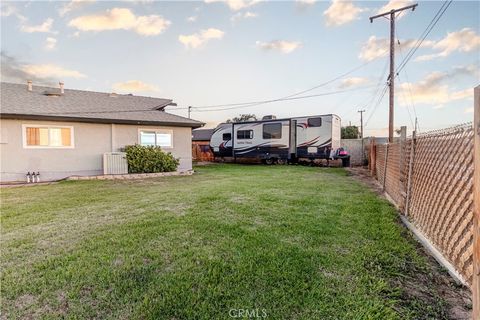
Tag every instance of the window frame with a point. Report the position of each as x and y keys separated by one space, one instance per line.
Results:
x=250 y=136
x=272 y=123
x=310 y=126
x=48 y=126
x=156 y=131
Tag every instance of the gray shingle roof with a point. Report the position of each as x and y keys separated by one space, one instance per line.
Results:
x=86 y=106
x=202 y=134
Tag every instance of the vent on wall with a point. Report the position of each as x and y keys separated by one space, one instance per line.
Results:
x=115 y=163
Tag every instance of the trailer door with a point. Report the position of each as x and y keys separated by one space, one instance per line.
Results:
x=293 y=138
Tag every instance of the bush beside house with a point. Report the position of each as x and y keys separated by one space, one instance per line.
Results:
x=149 y=159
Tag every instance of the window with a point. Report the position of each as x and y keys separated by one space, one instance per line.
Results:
x=227 y=136
x=245 y=134
x=204 y=148
x=36 y=136
x=314 y=122
x=272 y=131
x=156 y=138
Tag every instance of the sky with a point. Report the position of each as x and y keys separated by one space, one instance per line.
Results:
x=217 y=53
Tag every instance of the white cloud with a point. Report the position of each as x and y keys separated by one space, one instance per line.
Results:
x=134 y=86
x=50 y=43
x=465 y=40
x=396 y=4
x=283 y=46
x=73 y=5
x=7 y=10
x=353 y=82
x=198 y=39
x=468 y=110
x=46 y=26
x=306 y=2
x=192 y=18
x=341 y=12
x=121 y=19
x=236 y=5
x=50 y=71
x=376 y=48
x=434 y=90
x=243 y=15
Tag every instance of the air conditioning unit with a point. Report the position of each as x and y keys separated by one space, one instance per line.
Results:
x=115 y=163
x=269 y=117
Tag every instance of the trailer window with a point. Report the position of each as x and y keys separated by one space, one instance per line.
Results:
x=272 y=131
x=227 y=136
x=244 y=134
x=314 y=122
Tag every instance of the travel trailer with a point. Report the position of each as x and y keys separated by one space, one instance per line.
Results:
x=278 y=140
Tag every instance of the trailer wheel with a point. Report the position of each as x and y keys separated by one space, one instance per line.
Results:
x=281 y=161
x=269 y=161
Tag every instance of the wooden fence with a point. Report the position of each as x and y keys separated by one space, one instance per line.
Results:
x=430 y=177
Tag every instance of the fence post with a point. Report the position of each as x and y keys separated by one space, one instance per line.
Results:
x=410 y=168
x=385 y=165
x=373 y=159
x=476 y=207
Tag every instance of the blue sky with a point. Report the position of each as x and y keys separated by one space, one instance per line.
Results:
x=221 y=52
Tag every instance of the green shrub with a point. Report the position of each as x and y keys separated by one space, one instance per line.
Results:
x=148 y=159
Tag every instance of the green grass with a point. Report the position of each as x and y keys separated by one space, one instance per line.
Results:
x=295 y=242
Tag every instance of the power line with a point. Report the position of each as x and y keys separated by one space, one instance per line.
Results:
x=424 y=34
x=288 y=96
x=285 y=99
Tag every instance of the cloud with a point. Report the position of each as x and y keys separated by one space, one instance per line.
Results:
x=50 y=43
x=376 y=48
x=134 y=86
x=50 y=71
x=121 y=19
x=465 y=40
x=236 y=5
x=353 y=82
x=433 y=89
x=7 y=10
x=192 y=18
x=15 y=71
x=46 y=26
x=468 y=110
x=243 y=15
x=304 y=4
x=341 y=12
x=73 y=5
x=396 y=4
x=198 y=39
x=279 y=45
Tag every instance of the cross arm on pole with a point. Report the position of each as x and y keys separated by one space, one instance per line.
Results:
x=413 y=6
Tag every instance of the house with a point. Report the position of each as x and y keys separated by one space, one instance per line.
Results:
x=201 y=150
x=60 y=132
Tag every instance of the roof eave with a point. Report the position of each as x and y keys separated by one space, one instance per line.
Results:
x=196 y=124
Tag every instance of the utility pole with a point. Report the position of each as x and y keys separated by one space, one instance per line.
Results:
x=361 y=123
x=189 y=111
x=391 y=77
x=361 y=135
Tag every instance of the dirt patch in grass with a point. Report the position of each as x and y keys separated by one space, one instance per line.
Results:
x=421 y=286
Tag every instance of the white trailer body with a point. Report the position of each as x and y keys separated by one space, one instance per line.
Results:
x=311 y=137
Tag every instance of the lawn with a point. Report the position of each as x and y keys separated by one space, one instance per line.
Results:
x=288 y=242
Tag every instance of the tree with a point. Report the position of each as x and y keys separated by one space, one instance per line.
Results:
x=350 y=132
x=243 y=118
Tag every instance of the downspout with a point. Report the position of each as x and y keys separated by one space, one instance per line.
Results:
x=112 y=137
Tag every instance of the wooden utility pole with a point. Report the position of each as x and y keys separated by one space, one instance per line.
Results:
x=391 y=77
x=476 y=206
x=361 y=135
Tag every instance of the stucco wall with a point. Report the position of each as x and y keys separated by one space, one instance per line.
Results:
x=85 y=158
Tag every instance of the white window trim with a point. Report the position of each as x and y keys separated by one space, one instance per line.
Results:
x=24 y=136
x=167 y=131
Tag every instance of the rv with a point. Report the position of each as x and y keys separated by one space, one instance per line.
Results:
x=278 y=140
